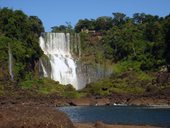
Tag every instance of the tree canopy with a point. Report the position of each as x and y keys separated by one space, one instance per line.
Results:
x=22 y=33
x=144 y=38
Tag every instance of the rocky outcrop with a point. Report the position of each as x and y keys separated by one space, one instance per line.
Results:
x=89 y=101
x=103 y=101
x=22 y=116
x=148 y=102
x=82 y=102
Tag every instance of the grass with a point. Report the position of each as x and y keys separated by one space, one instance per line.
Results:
x=127 y=89
x=125 y=80
x=129 y=82
x=127 y=65
x=74 y=94
x=43 y=86
x=46 y=86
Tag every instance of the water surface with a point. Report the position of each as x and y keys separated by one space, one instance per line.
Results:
x=119 y=114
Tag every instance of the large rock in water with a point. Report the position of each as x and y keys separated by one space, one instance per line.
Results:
x=21 y=116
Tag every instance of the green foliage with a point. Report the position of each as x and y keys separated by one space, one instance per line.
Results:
x=84 y=24
x=20 y=33
x=69 y=92
x=130 y=82
x=128 y=90
x=119 y=18
x=4 y=61
x=138 y=44
x=142 y=40
x=167 y=41
x=46 y=87
x=124 y=66
x=73 y=94
x=42 y=86
x=63 y=28
x=101 y=23
x=4 y=42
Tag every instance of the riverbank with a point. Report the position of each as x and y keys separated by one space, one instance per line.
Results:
x=16 y=95
x=55 y=101
x=129 y=88
x=36 y=115
x=19 y=104
x=40 y=111
x=32 y=116
x=117 y=100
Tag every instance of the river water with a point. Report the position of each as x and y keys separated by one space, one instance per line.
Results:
x=155 y=115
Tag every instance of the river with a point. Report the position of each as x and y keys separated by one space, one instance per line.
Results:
x=154 y=115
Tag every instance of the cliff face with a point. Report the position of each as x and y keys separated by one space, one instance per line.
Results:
x=66 y=60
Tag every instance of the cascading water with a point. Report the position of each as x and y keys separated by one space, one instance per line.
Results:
x=63 y=67
x=60 y=64
x=10 y=62
x=43 y=68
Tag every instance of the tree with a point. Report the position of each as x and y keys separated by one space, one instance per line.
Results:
x=119 y=18
x=84 y=24
x=139 y=18
x=167 y=41
x=61 y=28
x=23 y=34
x=103 y=23
x=4 y=55
x=36 y=25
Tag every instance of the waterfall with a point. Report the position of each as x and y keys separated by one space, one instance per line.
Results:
x=75 y=45
x=64 y=61
x=10 y=62
x=63 y=67
x=43 y=68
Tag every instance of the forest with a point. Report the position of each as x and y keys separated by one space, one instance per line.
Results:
x=143 y=39
x=140 y=43
x=21 y=33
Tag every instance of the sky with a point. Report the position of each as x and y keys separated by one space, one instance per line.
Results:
x=58 y=12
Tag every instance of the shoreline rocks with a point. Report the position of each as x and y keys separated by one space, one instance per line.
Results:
x=122 y=100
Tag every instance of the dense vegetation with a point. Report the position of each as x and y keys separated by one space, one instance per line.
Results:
x=20 y=33
x=136 y=48
x=131 y=46
x=142 y=41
